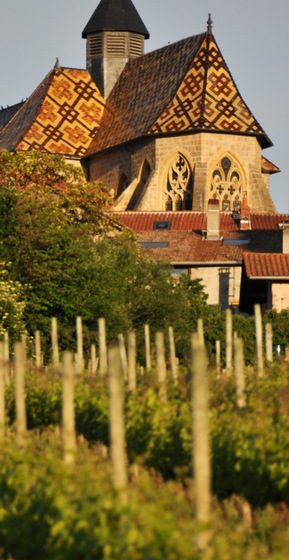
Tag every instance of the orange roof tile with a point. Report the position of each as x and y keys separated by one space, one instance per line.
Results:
x=179 y=247
x=179 y=221
x=266 y=265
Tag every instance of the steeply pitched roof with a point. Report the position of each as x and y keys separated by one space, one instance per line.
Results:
x=7 y=113
x=184 y=87
x=267 y=265
x=115 y=15
x=60 y=117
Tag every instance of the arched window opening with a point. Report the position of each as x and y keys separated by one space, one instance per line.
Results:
x=226 y=185
x=143 y=180
x=122 y=184
x=178 y=192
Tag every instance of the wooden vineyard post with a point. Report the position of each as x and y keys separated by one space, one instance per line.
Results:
x=229 y=340
x=259 y=340
x=7 y=357
x=123 y=356
x=173 y=358
x=37 y=345
x=201 y=440
x=68 y=414
x=200 y=331
x=20 y=405
x=132 y=361
x=116 y=423
x=2 y=392
x=79 y=344
x=269 y=342
x=54 y=342
x=148 y=347
x=102 y=349
x=93 y=360
x=161 y=366
x=239 y=372
x=218 y=356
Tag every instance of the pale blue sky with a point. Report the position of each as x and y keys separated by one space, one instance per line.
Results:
x=252 y=34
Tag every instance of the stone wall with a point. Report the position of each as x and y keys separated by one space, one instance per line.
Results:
x=221 y=283
x=201 y=151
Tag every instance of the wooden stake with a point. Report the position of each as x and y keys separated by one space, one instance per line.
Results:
x=147 y=347
x=54 y=342
x=102 y=349
x=218 y=356
x=2 y=393
x=201 y=440
x=269 y=342
x=173 y=361
x=123 y=356
x=93 y=360
x=19 y=371
x=132 y=361
x=239 y=372
x=161 y=365
x=200 y=331
x=116 y=423
x=37 y=344
x=7 y=357
x=79 y=341
x=229 y=341
x=259 y=340
x=68 y=414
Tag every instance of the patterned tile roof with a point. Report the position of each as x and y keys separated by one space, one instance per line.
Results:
x=7 y=113
x=181 y=88
x=60 y=117
x=115 y=15
x=267 y=265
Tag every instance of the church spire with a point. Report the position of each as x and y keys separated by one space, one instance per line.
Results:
x=114 y=34
x=210 y=24
x=115 y=15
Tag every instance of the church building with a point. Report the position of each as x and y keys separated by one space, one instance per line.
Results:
x=181 y=153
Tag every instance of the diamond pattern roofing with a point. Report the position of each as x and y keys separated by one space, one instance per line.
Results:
x=60 y=117
x=182 y=88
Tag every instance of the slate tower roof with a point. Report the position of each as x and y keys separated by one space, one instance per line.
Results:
x=115 y=15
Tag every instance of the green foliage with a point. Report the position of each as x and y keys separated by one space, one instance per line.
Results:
x=12 y=306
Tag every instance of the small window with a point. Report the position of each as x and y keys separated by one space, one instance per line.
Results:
x=154 y=244
x=162 y=225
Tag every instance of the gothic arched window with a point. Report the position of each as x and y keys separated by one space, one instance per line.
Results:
x=178 y=192
x=226 y=185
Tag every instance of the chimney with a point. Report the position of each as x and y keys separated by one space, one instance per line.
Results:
x=245 y=220
x=284 y=226
x=213 y=220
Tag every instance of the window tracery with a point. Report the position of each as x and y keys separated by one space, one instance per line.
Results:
x=226 y=185
x=178 y=195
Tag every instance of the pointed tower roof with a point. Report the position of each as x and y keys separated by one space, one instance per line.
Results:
x=185 y=87
x=115 y=15
x=60 y=117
